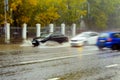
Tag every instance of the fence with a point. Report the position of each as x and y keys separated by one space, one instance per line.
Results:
x=17 y=34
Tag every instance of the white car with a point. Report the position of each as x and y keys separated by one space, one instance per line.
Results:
x=84 y=38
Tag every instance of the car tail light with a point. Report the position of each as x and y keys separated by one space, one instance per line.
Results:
x=109 y=39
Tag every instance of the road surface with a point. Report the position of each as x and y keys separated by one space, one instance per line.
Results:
x=59 y=63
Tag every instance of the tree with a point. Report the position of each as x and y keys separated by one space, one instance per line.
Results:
x=2 y=14
x=47 y=17
x=100 y=12
x=71 y=10
x=24 y=11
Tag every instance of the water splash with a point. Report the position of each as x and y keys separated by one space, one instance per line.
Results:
x=26 y=43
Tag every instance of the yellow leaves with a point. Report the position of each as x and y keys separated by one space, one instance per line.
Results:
x=24 y=19
x=48 y=2
x=52 y=9
x=52 y=16
x=84 y=12
x=70 y=9
x=9 y=20
x=48 y=16
x=42 y=19
x=1 y=19
x=15 y=3
x=33 y=2
x=82 y=0
x=13 y=6
x=18 y=1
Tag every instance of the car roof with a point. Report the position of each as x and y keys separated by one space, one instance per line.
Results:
x=110 y=32
x=88 y=32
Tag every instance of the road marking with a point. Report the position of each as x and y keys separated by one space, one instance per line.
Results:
x=38 y=61
x=113 y=65
x=51 y=59
x=54 y=79
x=88 y=54
x=44 y=60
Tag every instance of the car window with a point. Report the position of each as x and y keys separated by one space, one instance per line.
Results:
x=83 y=35
x=104 y=35
x=116 y=35
x=93 y=34
x=56 y=35
x=44 y=35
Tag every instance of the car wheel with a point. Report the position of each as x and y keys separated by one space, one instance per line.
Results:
x=36 y=43
x=60 y=42
x=115 y=47
x=118 y=47
x=100 y=48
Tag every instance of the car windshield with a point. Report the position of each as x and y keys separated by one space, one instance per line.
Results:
x=83 y=35
x=44 y=35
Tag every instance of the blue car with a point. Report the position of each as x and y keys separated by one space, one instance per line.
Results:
x=109 y=40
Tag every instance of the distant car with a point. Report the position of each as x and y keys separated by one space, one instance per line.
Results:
x=84 y=38
x=58 y=37
x=109 y=40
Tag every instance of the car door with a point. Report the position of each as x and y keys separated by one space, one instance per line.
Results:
x=92 y=38
x=59 y=38
x=55 y=37
x=116 y=38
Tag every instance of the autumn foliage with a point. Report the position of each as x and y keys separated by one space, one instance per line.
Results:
x=58 y=11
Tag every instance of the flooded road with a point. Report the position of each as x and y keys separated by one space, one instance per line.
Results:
x=58 y=63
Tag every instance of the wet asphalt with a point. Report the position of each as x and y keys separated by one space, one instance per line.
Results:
x=58 y=62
